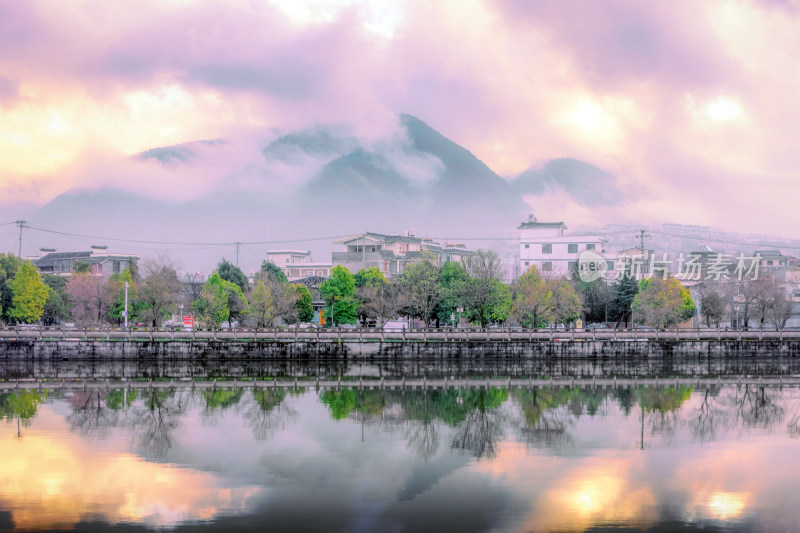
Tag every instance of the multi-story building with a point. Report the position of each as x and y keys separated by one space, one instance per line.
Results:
x=100 y=262
x=545 y=245
x=392 y=253
x=297 y=264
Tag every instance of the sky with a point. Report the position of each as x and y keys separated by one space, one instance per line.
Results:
x=692 y=105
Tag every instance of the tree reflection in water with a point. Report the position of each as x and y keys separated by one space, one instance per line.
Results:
x=91 y=413
x=471 y=420
x=545 y=424
x=483 y=424
x=659 y=406
x=268 y=413
x=755 y=407
x=215 y=401
x=155 y=420
x=420 y=431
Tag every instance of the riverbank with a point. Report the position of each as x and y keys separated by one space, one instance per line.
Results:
x=188 y=349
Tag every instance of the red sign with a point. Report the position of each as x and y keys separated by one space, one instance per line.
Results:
x=188 y=321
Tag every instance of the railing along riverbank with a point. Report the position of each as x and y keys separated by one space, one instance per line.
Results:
x=339 y=335
x=404 y=384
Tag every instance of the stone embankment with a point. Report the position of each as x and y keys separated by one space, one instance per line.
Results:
x=110 y=344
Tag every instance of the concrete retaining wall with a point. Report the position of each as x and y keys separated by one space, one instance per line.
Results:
x=22 y=349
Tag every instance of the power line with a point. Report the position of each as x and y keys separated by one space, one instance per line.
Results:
x=332 y=237
x=182 y=243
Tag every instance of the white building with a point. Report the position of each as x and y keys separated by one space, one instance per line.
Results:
x=544 y=245
x=297 y=264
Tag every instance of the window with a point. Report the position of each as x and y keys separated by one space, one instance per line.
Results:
x=573 y=266
x=547 y=248
x=590 y=246
x=527 y=246
x=547 y=266
x=116 y=267
x=611 y=265
x=572 y=248
x=527 y=263
x=769 y=263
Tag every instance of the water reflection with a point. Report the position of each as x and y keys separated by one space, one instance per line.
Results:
x=528 y=459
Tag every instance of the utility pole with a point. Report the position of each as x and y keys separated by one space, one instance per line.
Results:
x=642 y=236
x=21 y=224
x=237 y=254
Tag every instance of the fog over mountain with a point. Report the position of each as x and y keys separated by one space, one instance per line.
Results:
x=321 y=181
x=303 y=188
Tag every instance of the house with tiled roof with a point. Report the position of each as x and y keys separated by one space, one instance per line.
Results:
x=392 y=253
x=101 y=263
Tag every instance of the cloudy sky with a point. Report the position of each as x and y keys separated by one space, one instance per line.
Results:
x=693 y=105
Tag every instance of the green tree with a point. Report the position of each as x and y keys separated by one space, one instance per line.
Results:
x=230 y=272
x=712 y=307
x=420 y=289
x=369 y=277
x=262 y=306
x=303 y=303
x=9 y=264
x=532 y=299
x=273 y=271
x=453 y=277
x=370 y=283
x=213 y=303
x=663 y=302
x=160 y=290
x=54 y=308
x=564 y=305
x=623 y=291
x=594 y=296
x=237 y=301
x=339 y=293
x=29 y=294
x=57 y=307
x=487 y=298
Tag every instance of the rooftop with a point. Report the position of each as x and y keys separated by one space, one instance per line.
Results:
x=294 y=252
x=379 y=237
x=535 y=224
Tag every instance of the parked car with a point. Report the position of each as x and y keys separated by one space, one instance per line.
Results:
x=641 y=329
x=599 y=325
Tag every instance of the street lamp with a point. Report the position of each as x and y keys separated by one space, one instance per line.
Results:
x=125 y=312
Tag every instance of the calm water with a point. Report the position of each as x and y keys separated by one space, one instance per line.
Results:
x=562 y=459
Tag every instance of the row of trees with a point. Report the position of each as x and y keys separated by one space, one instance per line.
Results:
x=432 y=293
x=154 y=295
x=446 y=294
x=765 y=300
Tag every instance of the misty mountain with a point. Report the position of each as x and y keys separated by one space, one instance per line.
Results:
x=387 y=177
x=180 y=153
x=319 y=181
x=320 y=141
x=585 y=183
